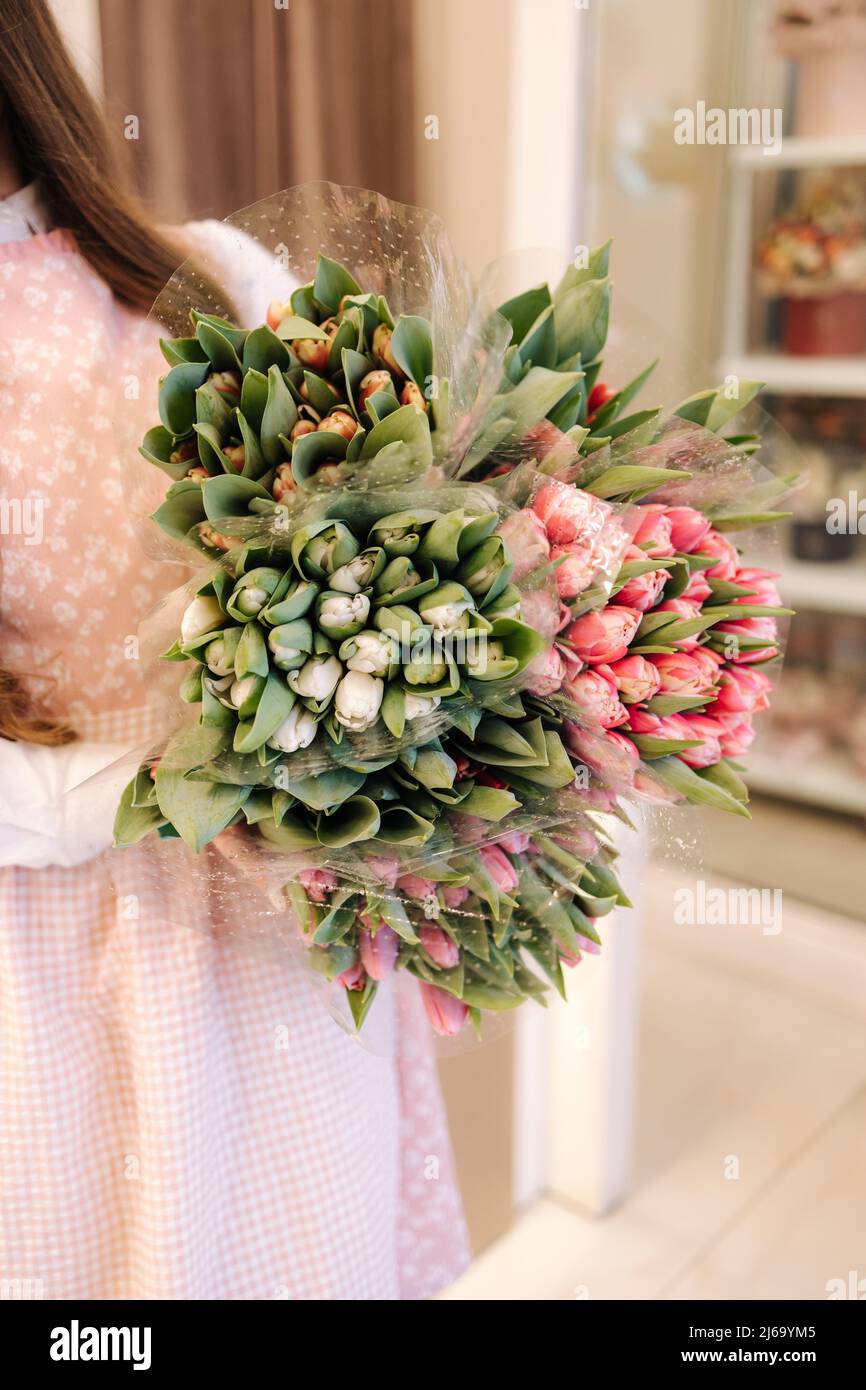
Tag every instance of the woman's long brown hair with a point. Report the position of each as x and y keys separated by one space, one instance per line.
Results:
x=60 y=137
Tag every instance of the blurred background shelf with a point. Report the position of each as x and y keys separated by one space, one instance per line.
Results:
x=831 y=781
x=800 y=152
x=802 y=376
x=825 y=588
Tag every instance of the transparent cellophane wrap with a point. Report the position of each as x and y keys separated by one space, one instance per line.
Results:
x=404 y=254
x=395 y=875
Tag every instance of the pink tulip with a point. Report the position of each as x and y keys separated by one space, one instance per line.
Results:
x=738 y=735
x=763 y=628
x=653 y=790
x=634 y=677
x=379 y=951
x=568 y=513
x=643 y=590
x=526 y=540
x=454 y=897
x=499 y=867
x=741 y=689
x=764 y=591
x=727 y=558
x=680 y=674
x=576 y=569
x=688 y=528
x=698 y=589
x=546 y=673
x=415 y=886
x=607 y=754
x=353 y=978
x=686 y=610
x=445 y=1014
x=604 y=635
x=317 y=883
x=710 y=751
x=653 y=534
x=597 y=699
x=540 y=610
x=439 y=946
x=515 y=842
x=384 y=868
x=641 y=721
x=710 y=663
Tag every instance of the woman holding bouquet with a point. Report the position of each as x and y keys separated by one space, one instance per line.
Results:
x=179 y=1118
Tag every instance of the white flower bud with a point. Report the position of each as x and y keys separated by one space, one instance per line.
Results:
x=417 y=705
x=357 y=701
x=202 y=615
x=343 y=611
x=242 y=690
x=373 y=654
x=317 y=678
x=297 y=731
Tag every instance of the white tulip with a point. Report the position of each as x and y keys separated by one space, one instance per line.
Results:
x=242 y=690
x=343 y=611
x=297 y=731
x=357 y=701
x=355 y=576
x=202 y=615
x=417 y=705
x=447 y=617
x=374 y=653
x=218 y=659
x=317 y=678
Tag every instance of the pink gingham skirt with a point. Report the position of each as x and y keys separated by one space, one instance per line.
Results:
x=180 y=1117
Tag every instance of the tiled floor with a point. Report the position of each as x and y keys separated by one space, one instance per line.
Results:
x=751 y=1128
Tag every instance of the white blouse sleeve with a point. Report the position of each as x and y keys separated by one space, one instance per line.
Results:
x=57 y=805
x=249 y=273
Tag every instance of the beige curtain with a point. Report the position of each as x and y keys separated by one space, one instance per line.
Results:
x=236 y=99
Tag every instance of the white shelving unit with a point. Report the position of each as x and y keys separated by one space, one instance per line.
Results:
x=799 y=376
x=830 y=781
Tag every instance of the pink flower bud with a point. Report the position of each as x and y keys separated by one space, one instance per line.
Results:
x=526 y=542
x=499 y=867
x=634 y=677
x=653 y=534
x=414 y=886
x=278 y=309
x=575 y=570
x=727 y=561
x=284 y=482
x=698 y=589
x=741 y=690
x=710 y=730
x=317 y=883
x=642 y=592
x=515 y=842
x=439 y=946
x=680 y=674
x=597 y=699
x=688 y=528
x=682 y=608
x=445 y=1014
x=379 y=951
x=569 y=514
x=454 y=897
x=603 y=636
x=738 y=735
x=339 y=422
x=378 y=380
x=353 y=978
x=763 y=628
x=761 y=583
x=546 y=673
x=413 y=395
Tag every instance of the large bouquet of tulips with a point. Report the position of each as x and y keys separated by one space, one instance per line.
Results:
x=442 y=633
